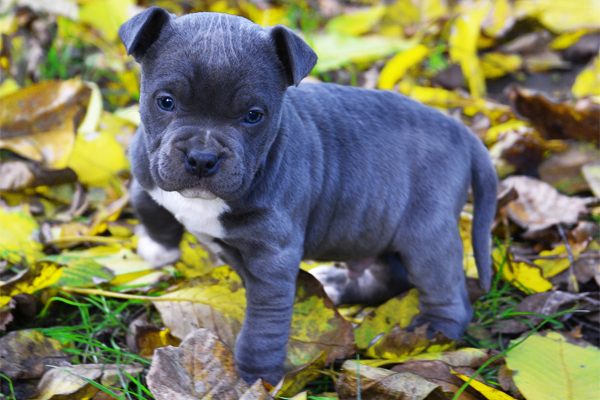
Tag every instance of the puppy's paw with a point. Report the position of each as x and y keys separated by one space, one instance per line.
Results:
x=155 y=253
x=334 y=281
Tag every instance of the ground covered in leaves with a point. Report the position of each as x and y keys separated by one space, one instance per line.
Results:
x=83 y=317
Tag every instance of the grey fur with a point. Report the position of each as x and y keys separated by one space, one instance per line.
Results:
x=330 y=173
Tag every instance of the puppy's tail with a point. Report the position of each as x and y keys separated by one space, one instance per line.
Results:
x=484 y=180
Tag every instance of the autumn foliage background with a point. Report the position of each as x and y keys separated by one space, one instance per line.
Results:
x=83 y=317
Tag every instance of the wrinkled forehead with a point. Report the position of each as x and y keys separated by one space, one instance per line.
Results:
x=216 y=47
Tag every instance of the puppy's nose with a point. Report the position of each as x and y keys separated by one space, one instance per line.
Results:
x=201 y=164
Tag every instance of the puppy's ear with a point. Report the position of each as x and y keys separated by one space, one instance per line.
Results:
x=141 y=31
x=297 y=57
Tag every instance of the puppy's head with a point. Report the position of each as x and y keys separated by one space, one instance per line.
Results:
x=211 y=93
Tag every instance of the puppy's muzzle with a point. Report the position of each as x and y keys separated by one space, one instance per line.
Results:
x=201 y=164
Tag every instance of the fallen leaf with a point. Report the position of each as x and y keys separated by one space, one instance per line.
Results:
x=106 y=15
x=557 y=120
x=398 y=310
x=591 y=173
x=587 y=82
x=564 y=170
x=335 y=51
x=201 y=367
x=521 y=274
x=27 y=354
x=150 y=338
x=550 y=303
x=397 y=66
x=496 y=65
x=80 y=271
x=68 y=383
x=378 y=383
x=505 y=379
x=540 y=206
x=19 y=238
x=462 y=43
x=357 y=23
x=39 y=122
x=548 y=368
x=551 y=267
x=465 y=224
x=488 y=391
x=438 y=373
x=397 y=342
x=195 y=260
x=217 y=301
x=38 y=276
x=465 y=357
x=500 y=19
x=563 y=16
x=294 y=381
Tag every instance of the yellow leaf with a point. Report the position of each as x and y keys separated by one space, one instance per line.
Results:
x=217 y=301
x=106 y=15
x=97 y=158
x=496 y=65
x=489 y=392
x=550 y=368
x=466 y=357
x=551 y=267
x=195 y=260
x=522 y=274
x=587 y=82
x=267 y=17
x=511 y=125
x=567 y=39
x=464 y=34
x=40 y=275
x=18 y=238
x=9 y=86
x=561 y=15
x=397 y=66
x=500 y=19
x=357 y=23
x=39 y=122
x=398 y=310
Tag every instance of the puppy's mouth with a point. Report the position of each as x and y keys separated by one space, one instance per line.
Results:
x=197 y=192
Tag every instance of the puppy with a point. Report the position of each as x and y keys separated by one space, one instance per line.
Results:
x=266 y=172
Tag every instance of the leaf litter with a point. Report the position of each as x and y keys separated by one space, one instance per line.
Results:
x=75 y=295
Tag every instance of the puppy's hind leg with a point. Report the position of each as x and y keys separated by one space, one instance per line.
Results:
x=159 y=232
x=369 y=281
x=433 y=257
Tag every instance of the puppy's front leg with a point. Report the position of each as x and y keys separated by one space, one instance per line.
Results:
x=270 y=282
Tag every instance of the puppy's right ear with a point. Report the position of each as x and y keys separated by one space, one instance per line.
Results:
x=141 y=31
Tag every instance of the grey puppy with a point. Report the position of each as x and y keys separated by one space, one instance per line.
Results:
x=267 y=172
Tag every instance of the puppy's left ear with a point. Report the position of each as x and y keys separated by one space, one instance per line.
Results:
x=295 y=54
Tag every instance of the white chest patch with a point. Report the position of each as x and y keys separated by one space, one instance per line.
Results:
x=199 y=216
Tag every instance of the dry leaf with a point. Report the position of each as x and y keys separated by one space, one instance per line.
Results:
x=557 y=120
x=27 y=354
x=564 y=170
x=540 y=206
x=378 y=383
x=438 y=373
x=201 y=367
x=294 y=381
x=40 y=275
x=217 y=301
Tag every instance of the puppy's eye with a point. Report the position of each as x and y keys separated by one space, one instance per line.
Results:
x=253 y=117
x=166 y=103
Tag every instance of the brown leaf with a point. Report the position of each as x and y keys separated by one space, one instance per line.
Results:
x=563 y=170
x=540 y=206
x=293 y=382
x=558 y=120
x=201 y=367
x=68 y=382
x=507 y=383
x=40 y=122
x=379 y=383
x=438 y=372
x=256 y=392
x=26 y=354
x=399 y=342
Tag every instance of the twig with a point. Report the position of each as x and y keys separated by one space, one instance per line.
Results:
x=106 y=293
x=573 y=285
x=96 y=239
